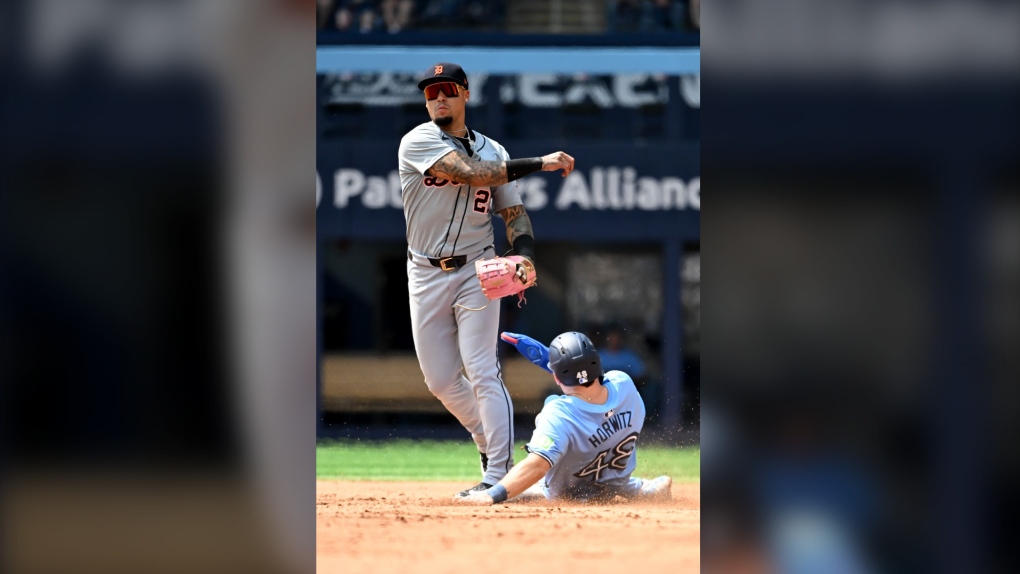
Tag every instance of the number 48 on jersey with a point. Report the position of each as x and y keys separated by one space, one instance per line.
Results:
x=622 y=452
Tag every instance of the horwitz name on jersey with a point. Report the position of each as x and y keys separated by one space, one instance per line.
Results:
x=608 y=428
x=599 y=188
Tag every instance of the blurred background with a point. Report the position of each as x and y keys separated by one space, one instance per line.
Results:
x=614 y=83
x=860 y=409
x=157 y=286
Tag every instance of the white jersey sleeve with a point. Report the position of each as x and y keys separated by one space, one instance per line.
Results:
x=420 y=149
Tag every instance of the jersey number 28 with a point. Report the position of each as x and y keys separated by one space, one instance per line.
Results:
x=618 y=462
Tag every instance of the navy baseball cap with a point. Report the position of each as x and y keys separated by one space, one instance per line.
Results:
x=444 y=72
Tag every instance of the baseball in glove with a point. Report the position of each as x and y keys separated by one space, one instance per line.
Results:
x=504 y=276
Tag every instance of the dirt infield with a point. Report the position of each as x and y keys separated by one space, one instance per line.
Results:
x=401 y=527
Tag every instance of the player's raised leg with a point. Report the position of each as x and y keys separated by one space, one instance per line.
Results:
x=434 y=327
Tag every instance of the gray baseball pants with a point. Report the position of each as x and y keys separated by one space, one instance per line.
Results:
x=457 y=354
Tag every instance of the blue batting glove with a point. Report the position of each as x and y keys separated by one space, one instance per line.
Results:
x=531 y=349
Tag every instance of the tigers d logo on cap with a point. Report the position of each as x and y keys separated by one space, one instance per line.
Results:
x=443 y=72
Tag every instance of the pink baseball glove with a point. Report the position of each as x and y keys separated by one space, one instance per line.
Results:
x=504 y=276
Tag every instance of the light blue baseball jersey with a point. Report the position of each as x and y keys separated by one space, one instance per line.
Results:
x=592 y=448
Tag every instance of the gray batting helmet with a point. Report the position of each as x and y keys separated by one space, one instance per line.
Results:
x=574 y=360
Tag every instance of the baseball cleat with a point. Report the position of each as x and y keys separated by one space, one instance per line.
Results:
x=657 y=488
x=478 y=487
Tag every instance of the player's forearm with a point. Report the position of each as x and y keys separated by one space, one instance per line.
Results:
x=525 y=474
x=479 y=173
x=457 y=166
x=493 y=173
x=519 y=231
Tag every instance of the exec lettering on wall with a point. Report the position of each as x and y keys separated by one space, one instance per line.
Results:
x=599 y=188
x=531 y=90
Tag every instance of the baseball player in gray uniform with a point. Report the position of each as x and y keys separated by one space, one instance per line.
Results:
x=452 y=179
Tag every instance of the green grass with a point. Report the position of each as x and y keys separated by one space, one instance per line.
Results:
x=458 y=461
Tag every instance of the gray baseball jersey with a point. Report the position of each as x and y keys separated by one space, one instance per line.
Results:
x=455 y=327
x=444 y=217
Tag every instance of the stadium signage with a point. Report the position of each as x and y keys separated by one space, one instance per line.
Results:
x=532 y=90
x=614 y=188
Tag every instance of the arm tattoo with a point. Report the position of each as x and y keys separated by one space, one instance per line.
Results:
x=517 y=222
x=457 y=166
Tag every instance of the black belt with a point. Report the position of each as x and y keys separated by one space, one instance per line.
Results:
x=449 y=263
x=445 y=263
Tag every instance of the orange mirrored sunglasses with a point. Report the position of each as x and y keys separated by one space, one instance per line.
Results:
x=449 y=88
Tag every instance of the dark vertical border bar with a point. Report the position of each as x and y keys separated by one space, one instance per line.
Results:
x=960 y=396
